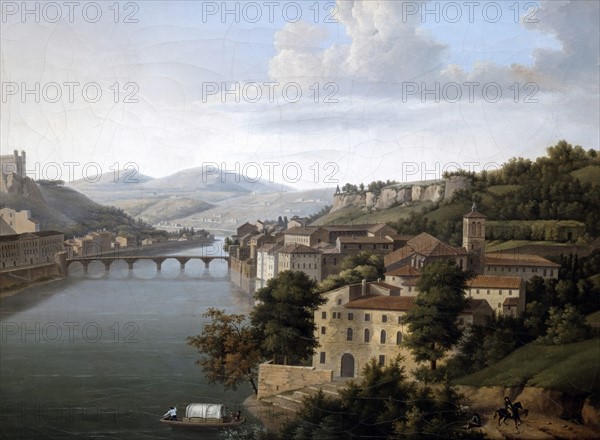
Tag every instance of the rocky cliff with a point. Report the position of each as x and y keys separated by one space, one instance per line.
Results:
x=401 y=194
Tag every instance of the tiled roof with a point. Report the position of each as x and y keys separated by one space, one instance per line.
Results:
x=474 y=214
x=495 y=282
x=365 y=240
x=405 y=271
x=295 y=248
x=269 y=248
x=423 y=244
x=382 y=302
x=306 y=230
x=511 y=302
x=474 y=304
x=517 y=259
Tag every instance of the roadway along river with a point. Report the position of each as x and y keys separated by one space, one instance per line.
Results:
x=104 y=354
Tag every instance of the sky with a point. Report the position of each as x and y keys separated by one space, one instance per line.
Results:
x=311 y=93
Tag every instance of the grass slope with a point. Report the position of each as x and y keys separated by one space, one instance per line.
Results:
x=571 y=368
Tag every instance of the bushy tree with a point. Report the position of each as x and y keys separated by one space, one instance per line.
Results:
x=565 y=326
x=283 y=317
x=433 y=321
x=231 y=352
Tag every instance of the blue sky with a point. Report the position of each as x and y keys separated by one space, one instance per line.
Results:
x=384 y=86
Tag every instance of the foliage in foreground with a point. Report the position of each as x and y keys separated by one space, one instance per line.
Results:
x=384 y=404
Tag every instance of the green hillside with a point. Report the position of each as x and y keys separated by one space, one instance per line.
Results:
x=554 y=198
x=571 y=368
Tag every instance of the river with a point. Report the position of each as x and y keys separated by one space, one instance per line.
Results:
x=103 y=355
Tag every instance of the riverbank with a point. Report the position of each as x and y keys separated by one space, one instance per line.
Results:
x=5 y=293
x=271 y=416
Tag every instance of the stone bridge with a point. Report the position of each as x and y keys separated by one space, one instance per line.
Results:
x=158 y=260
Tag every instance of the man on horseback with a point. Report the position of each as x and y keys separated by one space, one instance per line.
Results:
x=508 y=406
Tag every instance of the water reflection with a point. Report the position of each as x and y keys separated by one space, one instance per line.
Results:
x=103 y=354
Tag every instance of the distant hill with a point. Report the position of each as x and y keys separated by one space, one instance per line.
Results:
x=202 y=198
x=57 y=207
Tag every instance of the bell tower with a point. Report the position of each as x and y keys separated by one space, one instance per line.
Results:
x=474 y=239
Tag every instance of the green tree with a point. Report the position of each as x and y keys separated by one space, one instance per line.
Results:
x=433 y=321
x=355 y=268
x=231 y=352
x=283 y=317
x=565 y=326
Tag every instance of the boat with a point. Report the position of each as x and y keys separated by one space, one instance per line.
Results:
x=205 y=416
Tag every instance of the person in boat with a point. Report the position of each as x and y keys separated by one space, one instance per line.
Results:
x=171 y=414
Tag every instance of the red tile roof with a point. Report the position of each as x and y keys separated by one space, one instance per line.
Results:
x=382 y=302
x=517 y=259
x=484 y=281
x=404 y=271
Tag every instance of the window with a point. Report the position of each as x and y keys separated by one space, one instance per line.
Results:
x=349 y=334
x=339 y=302
x=367 y=335
x=500 y=292
x=323 y=330
x=381 y=360
x=323 y=315
x=398 y=338
x=399 y=319
x=509 y=292
x=384 y=318
x=488 y=291
x=383 y=337
x=337 y=315
x=367 y=316
x=350 y=316
x=322 y=357
x=544 y=272
x=499 y=305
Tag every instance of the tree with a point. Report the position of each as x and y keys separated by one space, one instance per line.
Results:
x=565 y=326
x=230 y=348
x=433 y=321
x=355 y=268
x=283 y=317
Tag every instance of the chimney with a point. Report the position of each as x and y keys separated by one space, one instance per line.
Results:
x=363 y=290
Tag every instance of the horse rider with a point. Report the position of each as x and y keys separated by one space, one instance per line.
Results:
x=508 y=406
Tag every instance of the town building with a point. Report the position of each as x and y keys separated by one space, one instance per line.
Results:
x=294 y=256
x=267 y=263
x=19 y=221
x=364 y=321
x=30 y=248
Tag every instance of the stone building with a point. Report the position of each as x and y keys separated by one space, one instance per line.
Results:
x=518 y=264
x=30 y=248
x=364 y=321
x=19 y=221
x=299 y=257
x=267 y=263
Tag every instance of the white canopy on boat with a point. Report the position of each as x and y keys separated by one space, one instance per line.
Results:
x=205 y=410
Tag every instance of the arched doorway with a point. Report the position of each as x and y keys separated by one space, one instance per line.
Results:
x=347 y=369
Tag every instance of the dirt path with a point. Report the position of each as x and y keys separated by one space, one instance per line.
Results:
x=536 y=426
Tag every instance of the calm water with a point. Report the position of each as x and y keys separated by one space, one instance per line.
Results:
x=103 y=355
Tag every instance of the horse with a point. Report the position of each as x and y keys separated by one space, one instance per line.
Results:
x=504 y=414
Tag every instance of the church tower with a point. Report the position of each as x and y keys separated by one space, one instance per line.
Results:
x=474 y=239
